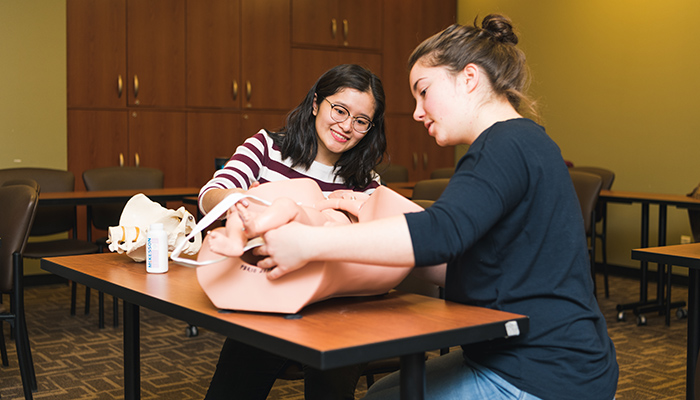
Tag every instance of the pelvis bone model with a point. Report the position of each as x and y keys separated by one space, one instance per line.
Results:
x=232 y=281
x=138 y=214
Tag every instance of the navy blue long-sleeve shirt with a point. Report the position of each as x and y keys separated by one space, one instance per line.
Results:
x=510 y=227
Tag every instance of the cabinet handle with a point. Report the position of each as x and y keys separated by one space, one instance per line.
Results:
x=137 y=159
x=248 y=90
x=345 y=32
x=425 y=161
x=235 y=89
x=136 y=86
x=334 y=28
x=415 y=161
x=120 y=85
x=121 y=159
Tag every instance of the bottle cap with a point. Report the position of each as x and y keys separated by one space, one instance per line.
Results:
x=158 y=226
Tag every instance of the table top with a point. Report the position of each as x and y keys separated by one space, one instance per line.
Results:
x=403 y=188
x=329 y=334
x=621 y=196
x=682 y=255
x=110 y=196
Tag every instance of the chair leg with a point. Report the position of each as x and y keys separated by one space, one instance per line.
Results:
x=3 y=348
x=73 y=296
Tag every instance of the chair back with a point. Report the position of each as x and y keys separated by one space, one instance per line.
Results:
x=587 y=187
x=18 y=205
x=608 y=178
x=392 y=173
x=429 y=189
x=118 y=178
x=440 y=173
x=49 y=219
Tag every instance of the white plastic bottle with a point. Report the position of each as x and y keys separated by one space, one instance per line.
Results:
x=157 y=249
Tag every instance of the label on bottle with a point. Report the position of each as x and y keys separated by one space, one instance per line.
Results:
x=157 y=252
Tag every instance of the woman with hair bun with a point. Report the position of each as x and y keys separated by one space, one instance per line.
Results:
x=508 y=226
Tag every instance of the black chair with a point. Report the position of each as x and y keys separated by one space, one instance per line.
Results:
x=18 y=204
x=105 y=215
x=601 y=213
x=429 y=189
x=440 y=173
x=392 y=173
x=51 y=220
x=588 y=189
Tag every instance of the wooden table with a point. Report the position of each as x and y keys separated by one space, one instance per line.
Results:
x=663 y=201
x=113 y=196
x=329 y=334
x=684 y=255
x=403 y=188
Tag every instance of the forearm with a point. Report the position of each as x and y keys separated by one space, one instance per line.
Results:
x=380 y=242
x=214 y=196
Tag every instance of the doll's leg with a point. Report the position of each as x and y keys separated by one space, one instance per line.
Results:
x=230 y=240
x=282 y=211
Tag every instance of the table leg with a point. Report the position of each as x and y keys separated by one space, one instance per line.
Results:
x=412 y=376
x=693 y=331
x=132 y=353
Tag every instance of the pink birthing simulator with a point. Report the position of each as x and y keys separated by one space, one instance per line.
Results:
x=232 y=283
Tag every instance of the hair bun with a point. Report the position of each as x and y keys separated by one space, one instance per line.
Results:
x=499 y=28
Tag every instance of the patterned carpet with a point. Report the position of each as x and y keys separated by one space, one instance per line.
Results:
x=76 y=360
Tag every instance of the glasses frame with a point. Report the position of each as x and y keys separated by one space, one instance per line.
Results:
x=333 y=105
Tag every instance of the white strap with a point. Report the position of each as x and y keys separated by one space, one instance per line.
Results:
x=208 y=219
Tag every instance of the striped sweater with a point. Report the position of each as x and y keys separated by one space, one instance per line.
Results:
x=259 y=159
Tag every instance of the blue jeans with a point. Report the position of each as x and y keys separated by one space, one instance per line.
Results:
x=450 y=377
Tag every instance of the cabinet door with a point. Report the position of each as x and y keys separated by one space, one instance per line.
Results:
x=95 y=139
x=309 y=64
x=265 y=54
x=213 y=53
x=403 y=32
x=350 y=24
x=209 y=135
x=96 y=53
x=156 y=52
x=315 y=22
x=360 y=24
x=409 y=144
x=158 y=139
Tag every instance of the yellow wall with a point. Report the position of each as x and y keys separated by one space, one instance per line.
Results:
x=617 y=87
x=615 y=81
x=33 y=86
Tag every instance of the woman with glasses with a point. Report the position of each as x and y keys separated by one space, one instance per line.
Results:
x=335 y=137
x=508 y=226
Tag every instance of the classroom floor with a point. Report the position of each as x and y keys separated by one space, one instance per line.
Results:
x=76 y=360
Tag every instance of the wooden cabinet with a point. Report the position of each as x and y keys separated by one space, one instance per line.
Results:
x=156 y=53
x=176 y=83
x=408 y=142
x=149 y=138
x=96 y=53
x=352 y=24
x=216 y=134
x=232 y=62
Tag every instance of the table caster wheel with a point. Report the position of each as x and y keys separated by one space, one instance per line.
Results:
x=681 y=313
x=191 y=331
x=621 y=316
x=641 y=320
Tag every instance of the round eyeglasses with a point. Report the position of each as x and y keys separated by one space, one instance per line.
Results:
x=341 y=114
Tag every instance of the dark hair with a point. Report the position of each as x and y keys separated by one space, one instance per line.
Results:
x=298 y=140
x=491 y=47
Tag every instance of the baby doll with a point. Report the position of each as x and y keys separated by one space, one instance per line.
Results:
x=249 y=217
